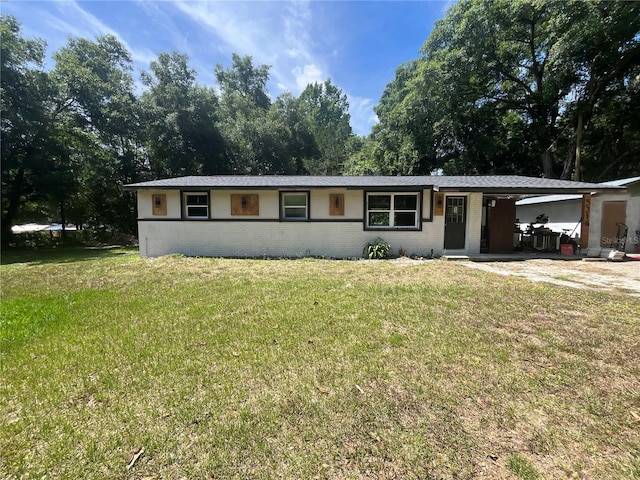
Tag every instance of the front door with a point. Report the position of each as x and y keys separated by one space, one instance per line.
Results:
x=455 y=223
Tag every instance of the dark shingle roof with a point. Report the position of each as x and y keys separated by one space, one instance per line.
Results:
x=492 y=183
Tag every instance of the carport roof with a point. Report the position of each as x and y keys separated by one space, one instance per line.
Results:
x=498 y=184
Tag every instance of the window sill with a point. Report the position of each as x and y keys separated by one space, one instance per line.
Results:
x=393 y=229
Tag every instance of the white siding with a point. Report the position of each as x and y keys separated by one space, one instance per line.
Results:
x=474 y=222
x=145 y=204
x=265 y=235
x=352 y=204
x=267 y=203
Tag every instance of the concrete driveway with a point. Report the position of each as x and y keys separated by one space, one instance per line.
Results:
x=622 y=277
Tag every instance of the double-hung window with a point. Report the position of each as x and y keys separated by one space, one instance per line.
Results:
x=393 y=210
x=196 y=205
x=294 y=206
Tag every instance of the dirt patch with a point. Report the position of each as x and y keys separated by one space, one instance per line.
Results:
x=621 y=277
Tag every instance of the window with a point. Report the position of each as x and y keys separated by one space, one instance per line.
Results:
x=393 y=210
x=455 y=210
x=294 y=206
x=196 y=205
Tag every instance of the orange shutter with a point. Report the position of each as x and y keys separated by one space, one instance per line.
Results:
x=438 y=209
x=336 y=204
x=244 y=204
x=159 y=201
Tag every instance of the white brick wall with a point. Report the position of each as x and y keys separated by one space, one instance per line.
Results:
x=274 y=239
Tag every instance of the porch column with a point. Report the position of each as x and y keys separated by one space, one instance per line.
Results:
x=586 y=216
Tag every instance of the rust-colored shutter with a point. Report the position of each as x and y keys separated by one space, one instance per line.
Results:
x=586 y=218
x=438 y=209
x=336 y=204
x=244 y=204
x=159 y=201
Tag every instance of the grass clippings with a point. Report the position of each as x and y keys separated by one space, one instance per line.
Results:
x=120 y=367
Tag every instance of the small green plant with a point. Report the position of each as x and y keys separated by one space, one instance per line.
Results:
x=522 y=467
x=376 y=249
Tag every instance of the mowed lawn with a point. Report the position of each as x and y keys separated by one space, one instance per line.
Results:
x=122 y=367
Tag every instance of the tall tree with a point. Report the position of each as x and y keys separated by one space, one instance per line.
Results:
x=99 y=120
x=181 y=119
x=501 y=54
x=24 y=118
x=245 y=80
x=511 y=87
x=256 y=138
x=602 y=39
x=301 y=144
x=327 y=111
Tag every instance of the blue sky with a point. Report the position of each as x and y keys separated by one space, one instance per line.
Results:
x=358 y=44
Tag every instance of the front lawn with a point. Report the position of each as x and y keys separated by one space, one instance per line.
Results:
x=121 y=367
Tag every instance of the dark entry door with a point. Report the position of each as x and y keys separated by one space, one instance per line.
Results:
x=455 y=222
x=502 y=221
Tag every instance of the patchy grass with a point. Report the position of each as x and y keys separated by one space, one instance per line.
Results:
x=119 y=367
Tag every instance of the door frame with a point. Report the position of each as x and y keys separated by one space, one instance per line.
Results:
x=463 y=229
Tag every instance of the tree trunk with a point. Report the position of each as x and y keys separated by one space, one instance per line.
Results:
x=13 y=201
x=63 y=221
x=569 y=160
x=579 y=129
x=547 y=163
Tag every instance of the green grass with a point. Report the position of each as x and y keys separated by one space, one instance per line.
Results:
x=522 y=467
x=310 y=369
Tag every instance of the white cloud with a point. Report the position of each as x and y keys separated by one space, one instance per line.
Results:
x=296 y=30
x=306 y=75
x=77 y=22
x=362 y=115
x=273 y=33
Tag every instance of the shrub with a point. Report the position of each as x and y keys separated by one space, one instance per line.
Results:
x=376 y=249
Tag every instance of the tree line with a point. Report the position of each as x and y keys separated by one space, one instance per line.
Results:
x=531 y=87
x=73 y=135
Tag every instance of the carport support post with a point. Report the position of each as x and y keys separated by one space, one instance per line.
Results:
x=586 y=215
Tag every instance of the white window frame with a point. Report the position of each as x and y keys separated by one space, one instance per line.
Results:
x=187 y=207
x=284 y=207
x=391 y=211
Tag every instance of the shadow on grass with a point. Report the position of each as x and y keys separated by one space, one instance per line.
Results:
x=41 y=256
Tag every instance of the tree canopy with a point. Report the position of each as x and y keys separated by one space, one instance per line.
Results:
x=516 y=86
x=533 y=87
x=74 y=135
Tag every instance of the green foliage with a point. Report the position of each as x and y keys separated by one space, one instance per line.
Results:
x=181 y=131
x=376 y=249
x=516 y=87
x=24 y=120
x=327 y=112
x=84 y=124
